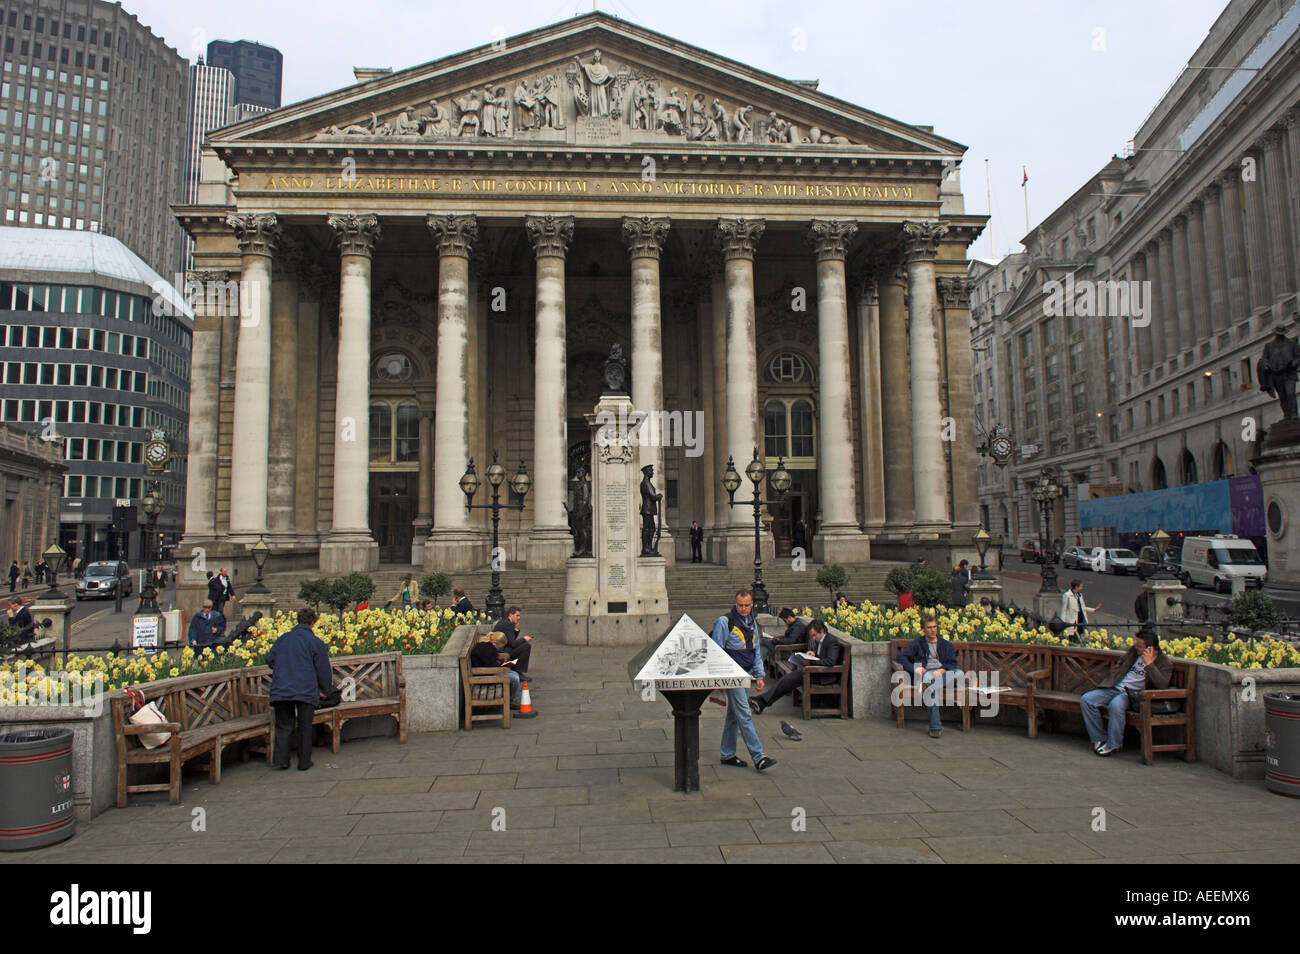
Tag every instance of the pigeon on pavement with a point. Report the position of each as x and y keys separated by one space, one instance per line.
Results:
x=790 y=731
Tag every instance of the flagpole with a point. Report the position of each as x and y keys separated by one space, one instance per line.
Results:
x=1025 y=186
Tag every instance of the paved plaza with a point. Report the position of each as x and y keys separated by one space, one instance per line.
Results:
x=589 y=780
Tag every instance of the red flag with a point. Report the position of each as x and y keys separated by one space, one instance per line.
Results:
x=1025 y=179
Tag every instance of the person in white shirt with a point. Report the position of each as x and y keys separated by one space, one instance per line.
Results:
x=1074 y=611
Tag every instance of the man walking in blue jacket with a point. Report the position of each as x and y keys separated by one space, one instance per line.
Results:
x=737 y=634
x=300 y=673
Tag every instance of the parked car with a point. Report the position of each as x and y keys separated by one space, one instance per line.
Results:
x=1115 y=562
x=1149 y=563
x=1033 y=551
x=104 y=578
x=1218 y=560
x=1077 y=558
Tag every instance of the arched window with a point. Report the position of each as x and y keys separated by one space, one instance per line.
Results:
x=393 y=366
x=1224 y=465
x=788 y=368
x=1159 y=481
x=788 y=429
x=1187 y=468
x=394 y=432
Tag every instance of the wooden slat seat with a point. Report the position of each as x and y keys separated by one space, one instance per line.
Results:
x=486 y=688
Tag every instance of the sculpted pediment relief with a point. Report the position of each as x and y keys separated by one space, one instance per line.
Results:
x=591 y=82
x=588 y=99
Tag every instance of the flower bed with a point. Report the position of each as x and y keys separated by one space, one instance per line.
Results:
x=412 y=632
x=872 y=623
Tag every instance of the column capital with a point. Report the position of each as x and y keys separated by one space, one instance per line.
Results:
x=1165 y=237
x=644 y=235
x=257 y=233
x=201 y=276
x=550 y=234
x=955 y=291
x=1179 y=224
x=869 y=292
x=1230 y=177
x=1195 y=208
x=738 y=238
x=1291 y=118
x=831 y=237
x=454 y=234
x=1211 y=194
x=921 y=240
x=356 y=234
x=1271 y=139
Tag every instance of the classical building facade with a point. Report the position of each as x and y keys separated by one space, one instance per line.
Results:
x=435 y=263
x=31 y=483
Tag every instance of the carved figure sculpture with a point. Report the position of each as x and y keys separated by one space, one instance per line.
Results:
x=701 y=125
x=741 y=131
x=526 y=100
x=549 y=99
x=435 y=122
x=720 y=121
x=594 y=98
x=579 y=510
x=469 y=106
x=671 y=116
x=404 y=125
x=640 y=106
x=1277 y=369
x=649 y=511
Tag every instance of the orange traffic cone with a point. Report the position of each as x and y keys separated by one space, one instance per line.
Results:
x=525 y=702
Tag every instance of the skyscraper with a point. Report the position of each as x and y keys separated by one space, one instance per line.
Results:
x=257 y=69
x=93 y=116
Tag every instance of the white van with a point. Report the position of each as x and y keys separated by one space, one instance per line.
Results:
x=1216 y=561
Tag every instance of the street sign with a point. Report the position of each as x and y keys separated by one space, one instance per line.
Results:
x=688 y=658
x=144 y=633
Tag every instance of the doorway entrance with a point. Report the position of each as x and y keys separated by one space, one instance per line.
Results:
x=797 y=505
x=392 y=510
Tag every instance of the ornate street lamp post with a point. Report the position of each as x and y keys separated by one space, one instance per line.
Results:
x=260 y=552
x=55 y=558
x=780 y=482
x=153 y=506
x=521 y=483
x=1046 y=492
x=982 y=541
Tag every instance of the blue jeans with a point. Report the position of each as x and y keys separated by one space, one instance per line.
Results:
x=1114 y=700
x=515 y=691
x=739 y=719
x=939 y=682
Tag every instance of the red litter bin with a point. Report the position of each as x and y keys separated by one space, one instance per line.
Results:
x=1282 y=742
x=35 y=788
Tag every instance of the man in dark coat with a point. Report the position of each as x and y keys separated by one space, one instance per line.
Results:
x=796 y=634
x=517 y=647
x=932 y=663
x=300 y=673
x=697 y=542
x=13 y=576
x=462 y=603
x=206 y=628
x=823 y=650
x=957 y=588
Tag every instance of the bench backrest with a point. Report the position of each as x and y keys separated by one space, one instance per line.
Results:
x=1012 y=661
x=1078 y=670
x=192 y=701
x=373 y=676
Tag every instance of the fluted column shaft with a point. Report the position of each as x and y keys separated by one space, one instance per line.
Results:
x=1261 y=289
x=1216 y=272
x=1164 y=340
x=1234 y=251
x=282 y=452
x=929 y=478
x=549 y=544
x=1182 y=288
x=739 y=239
x=454 y=236
x=1138 y=270
x=257 y=236
x=350 y=546
x=205 y=397
x=718 y=322
x=424 y=505
x=869 y=391
x=896 y=402
x=306 y=472
x=1291 y=124
x=1197 y=264
x=644 y=237
x=1277 y=207
x=962 y=466
x=830 y=239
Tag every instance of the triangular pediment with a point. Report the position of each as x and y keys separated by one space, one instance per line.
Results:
x=590 y=82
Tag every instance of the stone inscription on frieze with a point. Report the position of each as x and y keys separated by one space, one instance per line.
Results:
x=616 y=528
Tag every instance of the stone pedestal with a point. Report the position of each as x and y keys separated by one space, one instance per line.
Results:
x=263 y=603
x=57 y=611
x=1047 y=605
x=990 y=589
x=1279 y=473
x=1159 y=592
x=614 y=597
x=841 y=545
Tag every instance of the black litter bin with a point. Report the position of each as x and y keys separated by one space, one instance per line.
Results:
x=1282 y=742
x=35 y=788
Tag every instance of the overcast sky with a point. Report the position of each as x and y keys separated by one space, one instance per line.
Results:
x=1055 y=86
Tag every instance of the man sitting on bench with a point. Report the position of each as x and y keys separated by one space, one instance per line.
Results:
x=1143 y=667
x=489 y=653
x=796 y=634
x=823 y=651
x=932 y=663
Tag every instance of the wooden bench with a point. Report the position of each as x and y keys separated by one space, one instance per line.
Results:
x=484 y=688
x=1075 y=671
x=1046 y=679
x=373 y=685
x=904 y=691
x=204 y=713
x=839 y=688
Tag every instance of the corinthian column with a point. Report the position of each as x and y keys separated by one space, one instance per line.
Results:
x=738 y=240
x=869 y=390
x=963 y=465
x=550 y=544
x=1197 y=264
x=839 y=539
x=929 y=480
x=1291 y=123
x=644 y=237
x=1138 y=270
x=350 y=546
x=1261 y=290
x=282 y=455
x=452 y=544
x=1216 y=272
x=1276 y=203
x=1182 y=288
x=1165 y=337
x=205 y=379
x=257 y=235
x=1234 y=251
x=896 y=403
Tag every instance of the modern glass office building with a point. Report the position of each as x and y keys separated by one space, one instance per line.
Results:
x=95 y=354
